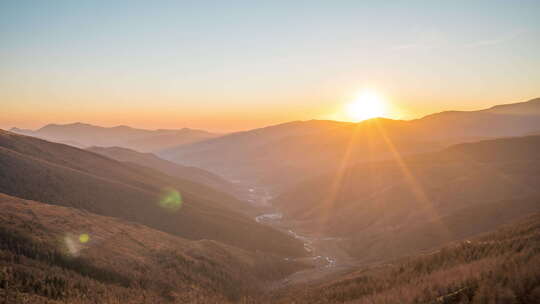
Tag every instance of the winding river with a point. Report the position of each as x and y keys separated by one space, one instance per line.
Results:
x=324 y=253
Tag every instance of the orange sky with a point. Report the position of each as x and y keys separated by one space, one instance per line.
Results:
x=234 y=66
x=153 y=115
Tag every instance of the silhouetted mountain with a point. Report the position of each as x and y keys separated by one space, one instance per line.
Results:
x=20 y=131
x=86 y=135
x=182 y=172
x=285 y=154
x=280 y=156
x=531 y=107
x=499 y=267
x=516 y=119
x=59 y=174
x=396 y=207
x=51 y=253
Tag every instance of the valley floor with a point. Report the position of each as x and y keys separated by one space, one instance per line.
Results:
x=326 y=256
x=498 y=267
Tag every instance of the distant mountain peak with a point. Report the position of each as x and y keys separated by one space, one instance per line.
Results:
x=17 y=130
x=530 y=107
x=532 y=102
x=68 y=125
x=144 y=140
x=122 y=127
x=379 y=119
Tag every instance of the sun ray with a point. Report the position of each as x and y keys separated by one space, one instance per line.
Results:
x=336 y=183
x=414 y=185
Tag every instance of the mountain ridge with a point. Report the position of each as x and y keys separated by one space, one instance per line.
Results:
x=151 y=160
x=83 y=135
x=404 y=204
x=308 y=148
x=60 y=174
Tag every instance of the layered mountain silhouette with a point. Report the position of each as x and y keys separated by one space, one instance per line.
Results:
x=188 y=174
x=59 y=174
x=515 y=119
x=86 y=135
x=283 y=155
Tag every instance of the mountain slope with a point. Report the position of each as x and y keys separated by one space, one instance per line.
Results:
x=499 y=267
x=61 y=255
x=515 y=119
x=285 y=154
x=152 y=161
x=86 y=135
x=282 y=155
x=59 y=174
x=392 y=208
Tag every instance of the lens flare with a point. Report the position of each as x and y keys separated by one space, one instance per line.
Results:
x=72 y=246
x=84 y=238
x=74 y=243
x=171 y=199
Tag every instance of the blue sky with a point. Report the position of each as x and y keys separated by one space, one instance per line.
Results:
x=209 y=64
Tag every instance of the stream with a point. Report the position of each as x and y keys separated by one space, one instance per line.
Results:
x=324 y=253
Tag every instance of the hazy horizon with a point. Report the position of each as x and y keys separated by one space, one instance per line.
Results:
x=238 y=66
x=231 y=131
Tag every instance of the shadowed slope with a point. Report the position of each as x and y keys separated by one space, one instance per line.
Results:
x=59 y=174
x=152 y=161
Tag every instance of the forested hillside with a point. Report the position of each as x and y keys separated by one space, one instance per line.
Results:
x=63 y=175
x=392 y=208
x=499 y=267
x=192 y=174
x=53 y=254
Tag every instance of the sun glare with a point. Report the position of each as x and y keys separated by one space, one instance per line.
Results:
x=367 y=105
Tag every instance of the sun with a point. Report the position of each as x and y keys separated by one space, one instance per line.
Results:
x=367 y=105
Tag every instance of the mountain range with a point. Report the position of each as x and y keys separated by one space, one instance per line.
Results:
x=191 y=174
x=86 y=135
x=404 y=205
x=281 y=156
x=58 y=174
x=441 y=209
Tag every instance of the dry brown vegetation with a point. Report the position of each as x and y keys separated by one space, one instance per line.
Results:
x=63 y=175
x=191 y=174
x=121 y=262
x=501 y=267
x=394 y=208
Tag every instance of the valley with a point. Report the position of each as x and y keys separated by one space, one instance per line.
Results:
x=326 y=257
x=270 y=152
x=281 y=222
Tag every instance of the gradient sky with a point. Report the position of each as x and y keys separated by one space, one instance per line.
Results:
x=231 y=65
